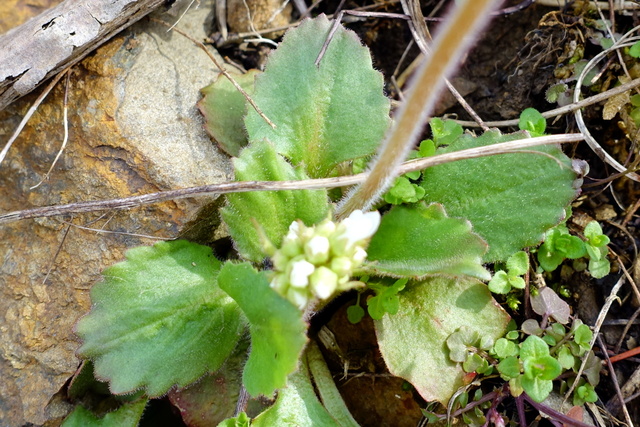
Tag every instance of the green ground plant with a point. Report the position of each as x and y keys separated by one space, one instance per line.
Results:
x=173 y=312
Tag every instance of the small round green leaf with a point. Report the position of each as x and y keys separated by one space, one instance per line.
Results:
x=505 y=348
x=634 y=50
x=355 y=313
x=583 y=335
x=518 y=264
x=533 y=347
x=509 y=368
x=499 y=284
x=536 y=388
x=532 y=121
x=565 y=358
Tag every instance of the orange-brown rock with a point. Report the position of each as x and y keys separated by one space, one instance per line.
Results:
x=133 y=129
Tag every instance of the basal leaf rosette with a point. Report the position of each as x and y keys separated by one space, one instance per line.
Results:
x=315 y=262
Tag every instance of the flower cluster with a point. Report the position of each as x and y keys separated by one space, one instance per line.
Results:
x=318 y=261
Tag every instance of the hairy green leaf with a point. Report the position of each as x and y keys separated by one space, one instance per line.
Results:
x=297 y=405
x=325 y=114
x=159 y=319
x=214 y=397
x=277 y=329
x=414 y=241
x=511 y=199
x=128 y=414
x=224 y=108
x=412 y=346
x=273 y=211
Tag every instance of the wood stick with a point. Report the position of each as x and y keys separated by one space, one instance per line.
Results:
x=60 y=37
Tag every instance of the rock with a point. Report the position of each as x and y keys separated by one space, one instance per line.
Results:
x=134 y=129
x=252 y=15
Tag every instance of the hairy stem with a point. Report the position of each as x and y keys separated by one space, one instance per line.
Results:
x=460 y=30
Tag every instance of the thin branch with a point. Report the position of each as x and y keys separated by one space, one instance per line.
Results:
x=614 y=381
x=565 y=419
x=593 y=144
x=603 y=96
x=613 y=295
x=309 y=184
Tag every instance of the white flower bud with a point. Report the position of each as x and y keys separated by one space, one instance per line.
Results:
x=323 y=282
x=280 y=261
x=326 y=228
x=300 y=272
x=291 y=248
x=294 y=228
x=315 y=262
x=317 y=249
x=279 y=283
x=341 y=265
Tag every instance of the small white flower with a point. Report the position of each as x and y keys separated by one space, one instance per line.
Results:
x=360 y=226
x=323 y=282
x=300 y=272
x=317 y=249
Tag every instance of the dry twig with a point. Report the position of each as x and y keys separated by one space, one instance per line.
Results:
x=309 y=184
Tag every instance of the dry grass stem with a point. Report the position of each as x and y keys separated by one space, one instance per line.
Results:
x=222 y=69
x=593 y=144
x=30 y=113
x=613 y=295
x=459 y=30
x=309 y=184
x=603 y=96
x=65 y=139
x=422 y=37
